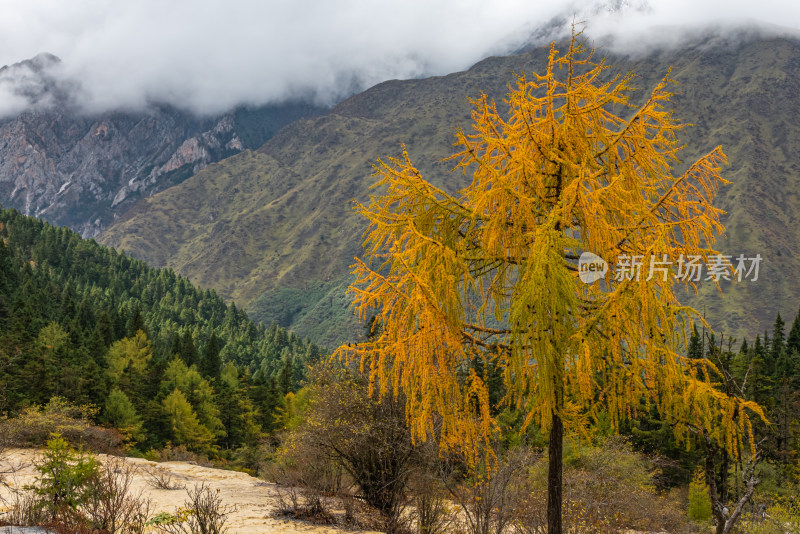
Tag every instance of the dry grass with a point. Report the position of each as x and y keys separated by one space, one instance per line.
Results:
x=159 y=478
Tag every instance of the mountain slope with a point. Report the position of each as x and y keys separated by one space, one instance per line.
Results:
x=274 y=229
x=84 y=170
x=279 y=220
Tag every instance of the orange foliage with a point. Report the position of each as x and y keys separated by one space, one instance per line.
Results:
x=491 y=273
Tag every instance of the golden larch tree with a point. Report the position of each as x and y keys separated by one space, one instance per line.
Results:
x=492 y=273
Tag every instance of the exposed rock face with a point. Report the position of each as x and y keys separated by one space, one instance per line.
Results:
x=197 y=150
x=81 y=172
x=85 y=171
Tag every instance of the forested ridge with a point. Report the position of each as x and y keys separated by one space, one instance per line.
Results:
x=155 y=356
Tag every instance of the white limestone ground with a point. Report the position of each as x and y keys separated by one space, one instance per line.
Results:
x=254 y=499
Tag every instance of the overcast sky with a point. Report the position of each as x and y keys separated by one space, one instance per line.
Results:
x=210 y=55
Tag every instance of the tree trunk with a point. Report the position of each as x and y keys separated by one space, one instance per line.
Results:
x=723 y=478
x=554 y=476
x=726 y=521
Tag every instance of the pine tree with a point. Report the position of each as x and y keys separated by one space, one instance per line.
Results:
x=266 y=398
x=785 y=395
x=135 y=322
x=778 y=348
x=8 y=281
x=284 y=378
x=793 y=341
x=238 y=416
x=186 y=427
x=24 y=322
x=197 y=391
x=128 y=356
x=699 y=503
x=211 y=363
x=8 y=272
x=188 y=351
x=695 y=350
x=175 y=345
x=104 y=328
x=120 y=412
x=759 y=379
x=740 y=365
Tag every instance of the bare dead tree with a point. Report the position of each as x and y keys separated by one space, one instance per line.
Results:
x=489 y=496
x=725 y=517
x=112 y=504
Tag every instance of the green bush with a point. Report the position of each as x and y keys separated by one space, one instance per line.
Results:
x=699 y=502
x=63 y=481
x=779 y=520
x=75 y=494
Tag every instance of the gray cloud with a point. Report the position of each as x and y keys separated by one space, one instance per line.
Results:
x=643 y=26
x=208 y=56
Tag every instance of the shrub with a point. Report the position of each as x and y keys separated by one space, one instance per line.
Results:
x=782 y=516
x=202 y=513
x=110 y=505
x=490 y=495
x=176 y=454
x=24 y=510
x=74 y=493
x=337 y=428
x=607 y=488
x=362 y=435
x=35 y=425
x=254 y=459
x=63 y=481
x=431 y=512
x=307 y=478
x=161 y=479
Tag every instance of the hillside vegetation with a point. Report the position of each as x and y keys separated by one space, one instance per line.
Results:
x=273 y=229
x=86 y=330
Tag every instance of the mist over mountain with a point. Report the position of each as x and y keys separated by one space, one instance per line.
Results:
x=34 y=83
x=83 y=170
x=209 y=57
x=218 y=153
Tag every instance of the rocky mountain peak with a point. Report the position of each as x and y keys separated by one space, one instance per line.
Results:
x=35 y=82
